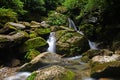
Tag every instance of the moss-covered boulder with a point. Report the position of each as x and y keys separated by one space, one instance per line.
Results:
x=52 y=73
x=11 y=40
x=34 y=43
x=43 y=32
x=88 y=55
x=108 y=69
x=31 y=54
x=70 y=43
x=35 y=24
x=42 y=60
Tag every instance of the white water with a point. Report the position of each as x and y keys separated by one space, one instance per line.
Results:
x=72 y=24
x=92 y=45
x=52 y=43
x=19 y=76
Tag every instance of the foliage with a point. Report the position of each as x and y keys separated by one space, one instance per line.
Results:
x=34 y=5
x=88 y=29
x=7 y=15
x=61 y=9
x=52 y=4
x=93 y=5
x=15 y=5
x=72 y=4
x=55 y=18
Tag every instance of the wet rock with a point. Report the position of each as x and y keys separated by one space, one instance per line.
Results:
x=42 y=60
x=42 y=31
x=11 y=26
x=15 y=25
x=27 y=24
x=34 y=43
x=105 y=66
x=35 y=24
x=88 y=55
x=15 y=62
x=44 y=24
x=52 y=73
x=9 y=40
x=70 y=43
x=107 y=69
x=7 y=71
x=104 y=59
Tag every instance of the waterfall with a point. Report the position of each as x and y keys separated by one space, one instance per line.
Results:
x=51 y=42
x=92 y=45
x=72 y=24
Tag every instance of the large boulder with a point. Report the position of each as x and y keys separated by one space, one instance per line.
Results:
x=70 y=43
x=11 y=40
x=52 y=73
x=107 y=69
x=105 y=66
x=42 y=60
x=11 y=26
x=34 y=43
x=88 y=55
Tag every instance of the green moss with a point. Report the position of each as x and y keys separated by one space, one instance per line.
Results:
x=42 y=31
x=34 y=43
x=89 y=54
x=60 y=33
x=32 y=53
x=69 y=75
x=99 y=67
x=33 y=34
x=32 y=76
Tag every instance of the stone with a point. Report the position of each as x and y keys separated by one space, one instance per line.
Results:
x=42 y=60
x=70 y=43
x=33 y=43
x=52 y=73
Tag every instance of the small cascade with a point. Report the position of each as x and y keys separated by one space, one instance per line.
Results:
x=92 y=45
x=19 y=76
x=51 y=41
x=72 y=24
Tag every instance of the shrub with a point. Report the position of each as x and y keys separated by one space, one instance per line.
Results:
x=55 y=18
x=7 y=15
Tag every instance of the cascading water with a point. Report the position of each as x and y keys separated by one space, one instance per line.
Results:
x=51 y=41
x=19 y=76
x=92 y=45
x=72 y=25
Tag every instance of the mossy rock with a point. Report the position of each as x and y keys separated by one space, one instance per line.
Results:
x=108 y=69
x=86 y=56
x=52 y=73
x=34 y=43
x=43 y=31
x=91 y=53
x=33 y=34
x=31 y=54
x=70 y=43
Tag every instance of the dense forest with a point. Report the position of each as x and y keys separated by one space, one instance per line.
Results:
x=25 y=26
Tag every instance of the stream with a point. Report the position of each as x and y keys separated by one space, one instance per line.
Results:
x=73 y=63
